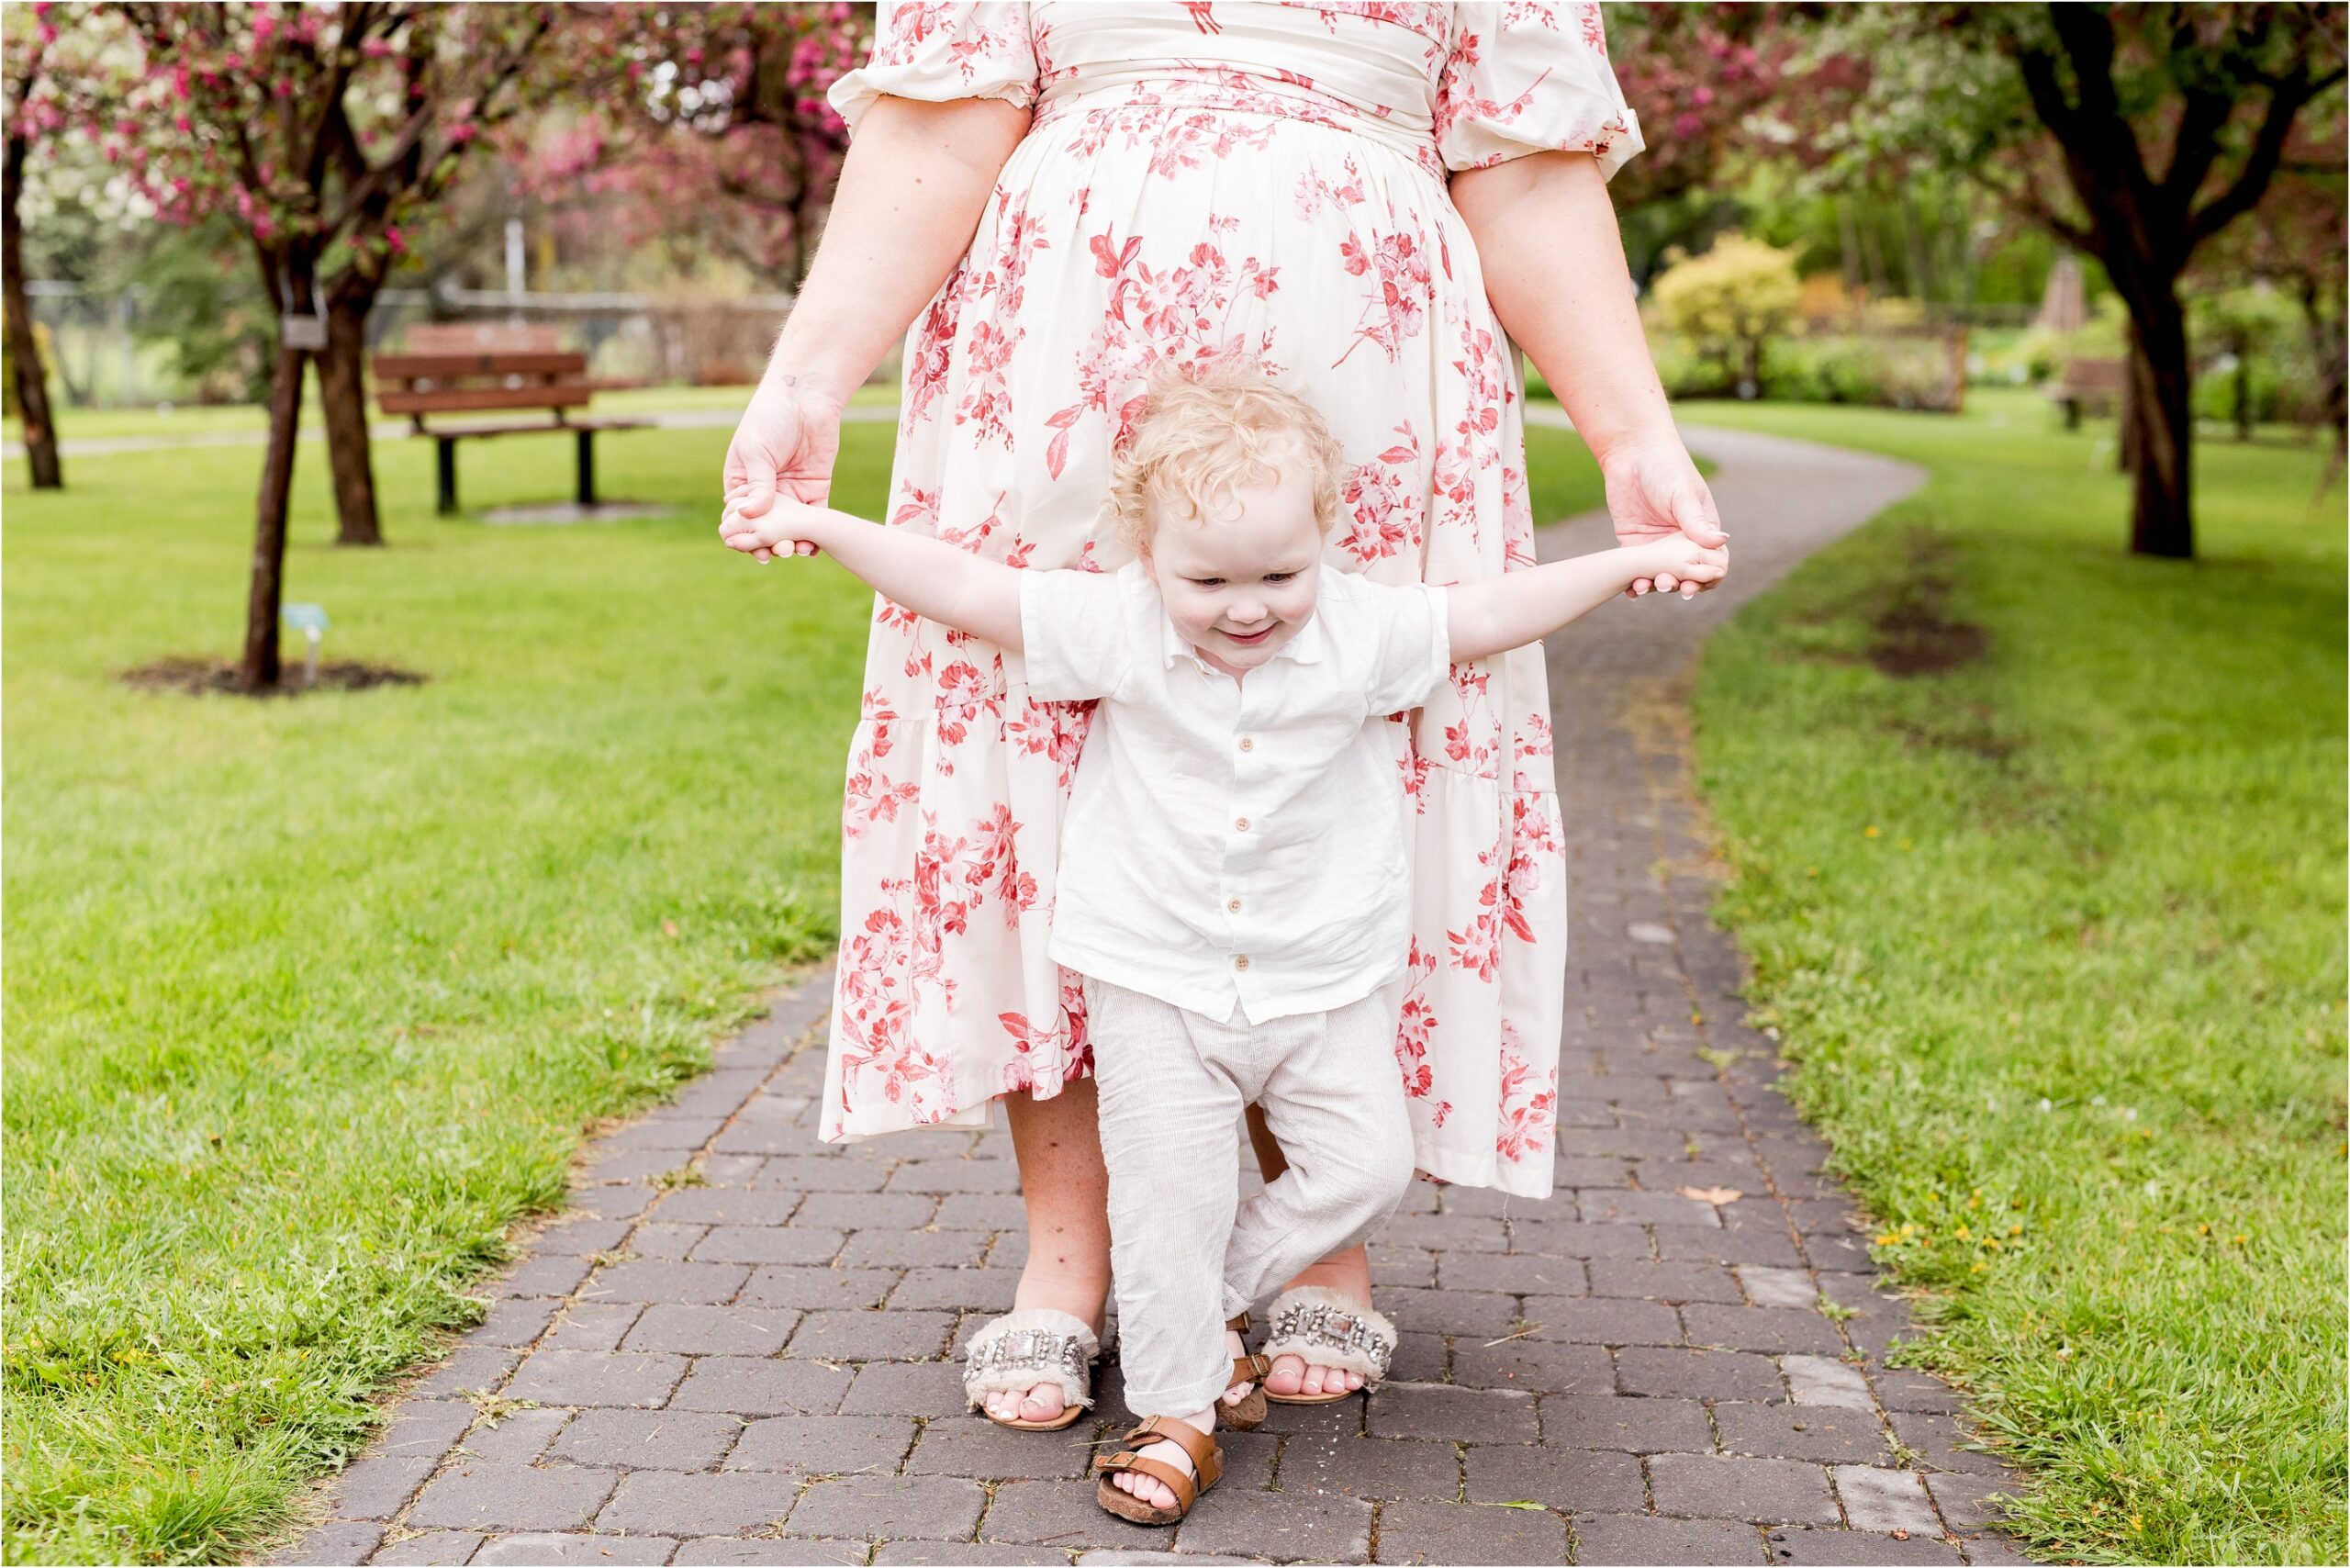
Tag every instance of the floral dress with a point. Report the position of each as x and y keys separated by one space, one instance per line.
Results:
x=1200 y=179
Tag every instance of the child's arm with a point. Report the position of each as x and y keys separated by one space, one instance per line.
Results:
x=1517 y=608
x=929 y=577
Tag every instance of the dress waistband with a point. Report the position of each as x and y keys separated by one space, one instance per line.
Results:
x=1159 y=88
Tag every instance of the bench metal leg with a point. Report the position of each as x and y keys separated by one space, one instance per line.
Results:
x=447 y=464
x=587 y=468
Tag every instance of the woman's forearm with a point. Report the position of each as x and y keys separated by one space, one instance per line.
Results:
x=916 y=181
x=1554 y=270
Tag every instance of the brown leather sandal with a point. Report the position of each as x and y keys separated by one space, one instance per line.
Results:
x=1249 y=1414
x=1207 y=1461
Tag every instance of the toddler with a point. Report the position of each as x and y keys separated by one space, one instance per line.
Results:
x=1232 y=880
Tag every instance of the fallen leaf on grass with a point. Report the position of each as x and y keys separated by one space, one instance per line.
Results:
x=1711 y=1194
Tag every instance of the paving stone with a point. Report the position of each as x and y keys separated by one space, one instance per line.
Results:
x=1768 y=1328
x=612 y=1202
x=1450 y=1232
x=1661 y=1282
x=1635 y=1539
x=1482 y=1313
x=1459 y=1532
x=497 y=1497
x=1369 y=1467
x=812 y=1288
x=1942 y=1439
x=1573 y=1238
x=633 y=1165
x=744 y=1385
x=712 y=1330
x=1008 y=1250
x=975 y=1290
x=876 y=1211
x=341 y=1544
x=1802 y=1547
x=518 y=1437
x=591 y=1326
x=1412 y=1267
x=661 y=1503
x=651 y=1240
x=1456 y=1415
x=422 y=1428
x=824 y=1445
x=884 y=1507
x=955 y=1176
x=1635 y=1425
x=1516 y=1273
x=1421 y=1358
x=1823 y=1380
x=975 y=1446
x=766 y=1244
x=647 y=1439
x=1299 y=1527
x=434 y=1549
x=1995 y=1549
x=375 y=1489
x=469 y=1367
x=1539 y=1365
x=535 y=1550
x=1657 y=1371
x=969 y=1552
x=733 y=1170
x=896 y=1333
x=514 y=1325
x=1574 y=1171
x=1567 y=1478
x=896 y=1388
x=1062 y=1513
x=1886 y=1500
x=1897 y=1389
x=821 y=1173
x=1685 y=1243
x=656 y=1131
x=596 y=1377
x=1617 y=1206
x=914 y=1249
x=1821 y=1432
x=978 y=1211
x=726 y=1552
x=1762 y=1490
x=667 y=1281
x=1970 y=1502
x=1603 y=1321
x=1780 y=1287
x=578 y=1235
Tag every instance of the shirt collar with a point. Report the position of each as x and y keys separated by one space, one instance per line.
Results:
x=1305 y=648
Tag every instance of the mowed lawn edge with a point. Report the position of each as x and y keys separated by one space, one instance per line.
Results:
x=310 y=1001
x=2038 y=858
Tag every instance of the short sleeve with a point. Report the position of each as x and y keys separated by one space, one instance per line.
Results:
x=940 y=52
x=1415 y=646
x=1524 y=77
x=1076 y=633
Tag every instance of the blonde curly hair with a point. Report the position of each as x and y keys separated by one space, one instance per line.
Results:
x=1207 y=432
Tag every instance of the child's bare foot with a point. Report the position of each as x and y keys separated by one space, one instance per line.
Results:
x=1154 y=1493
x=1235 y=1347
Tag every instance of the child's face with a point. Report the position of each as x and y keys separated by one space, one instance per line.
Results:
x=1239 y=586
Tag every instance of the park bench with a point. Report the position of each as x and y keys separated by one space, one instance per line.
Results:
x=466 y=371
x=2094 y=386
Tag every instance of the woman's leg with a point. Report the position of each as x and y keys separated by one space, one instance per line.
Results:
x=1347 y=1273
x=1067 y=1192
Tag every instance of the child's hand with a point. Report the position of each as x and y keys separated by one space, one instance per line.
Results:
x=1691 y=565
x=788 y=527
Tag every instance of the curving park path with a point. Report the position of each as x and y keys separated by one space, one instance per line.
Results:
x=735 y=1347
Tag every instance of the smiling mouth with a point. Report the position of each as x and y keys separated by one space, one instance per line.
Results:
x=1253 y=638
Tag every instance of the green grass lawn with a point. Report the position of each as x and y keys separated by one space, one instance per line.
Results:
x=307 y=1001
x=2055 y=939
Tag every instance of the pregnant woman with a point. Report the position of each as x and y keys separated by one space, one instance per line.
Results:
x=1377 y=200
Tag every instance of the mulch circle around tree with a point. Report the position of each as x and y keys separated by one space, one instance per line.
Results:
x=199 y=677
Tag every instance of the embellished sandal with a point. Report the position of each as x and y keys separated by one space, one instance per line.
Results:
x=1207 y=1460
x=1249 y=1414
x=1324 y=1329
x=1025 y=1348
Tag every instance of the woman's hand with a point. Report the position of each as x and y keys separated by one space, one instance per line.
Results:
x=1654 y=490
x=785 y=444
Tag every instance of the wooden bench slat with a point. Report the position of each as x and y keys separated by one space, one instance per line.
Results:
x=475 y=433
x=468 y=399
x=464 y=366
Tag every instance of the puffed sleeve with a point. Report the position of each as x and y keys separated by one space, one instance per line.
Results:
x=1525 y=77
x=940 y=52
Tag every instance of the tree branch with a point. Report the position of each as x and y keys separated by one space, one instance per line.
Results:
x=2260 y=164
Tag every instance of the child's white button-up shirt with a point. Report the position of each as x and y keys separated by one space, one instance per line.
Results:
x=1234 y=841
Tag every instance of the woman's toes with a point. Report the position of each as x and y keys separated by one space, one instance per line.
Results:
x=1044 y=1403
x=1003 y=1404
x=1313 y=1382
x=1286 y=1376
x=1354 y=1381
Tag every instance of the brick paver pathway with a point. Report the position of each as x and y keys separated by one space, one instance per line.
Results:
x=753 y=1365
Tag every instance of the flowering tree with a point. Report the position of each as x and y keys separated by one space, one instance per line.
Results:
x=2136 y=134
x=723 y=142
x=31 y=112
x=324 y=132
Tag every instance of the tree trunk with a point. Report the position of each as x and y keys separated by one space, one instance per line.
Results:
x=2162 y=521
x=2243 y=347
x=342 y=394
x=24 y=348
x=291 y=281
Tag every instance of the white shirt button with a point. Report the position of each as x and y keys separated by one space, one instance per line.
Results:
x=1247 y=743
x=1242 y=824
x=1241 y=962
x=1233 y=906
